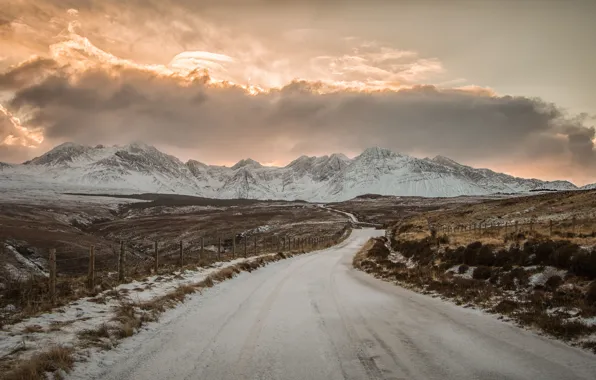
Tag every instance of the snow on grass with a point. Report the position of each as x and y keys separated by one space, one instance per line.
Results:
x=64 y=325
x=469 y=272
x=540 y=278
x=397 y=257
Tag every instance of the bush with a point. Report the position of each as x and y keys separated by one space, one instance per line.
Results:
x=378 y=250
x=584 y=264
x=553 y=282
x=419 y=251
x=454 y=256
x=462 y=269
x=482 y=273
x=544 y=252
x=591 y=294
x=506 y=306
x=503 y=258
x=562 y=256
x=485 y=256
x=471 y=252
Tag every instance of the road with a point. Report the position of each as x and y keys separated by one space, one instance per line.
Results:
x=315 y=317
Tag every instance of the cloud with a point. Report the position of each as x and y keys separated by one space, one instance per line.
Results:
x=157 y=71
x=127 y=103
x=26 y=72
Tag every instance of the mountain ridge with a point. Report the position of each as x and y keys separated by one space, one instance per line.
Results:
x=335 y=177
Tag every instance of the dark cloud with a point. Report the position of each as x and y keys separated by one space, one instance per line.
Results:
x=129 y=104
x=26 y=72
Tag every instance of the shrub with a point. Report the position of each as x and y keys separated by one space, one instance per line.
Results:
x=506 y=306
x=482 y=273
x=443 y=239
x=485 y=256
x=544 y=251
x=591 y=294
x=462 y=269
x=503 y=258
x=562 y=256
x=553 y=282
x=584 y=264
x=454 y=256
x=420 y=251
x=378 y=250
x=471 y=253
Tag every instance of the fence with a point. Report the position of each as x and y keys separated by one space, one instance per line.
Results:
x=564 y=227
x=107 y=266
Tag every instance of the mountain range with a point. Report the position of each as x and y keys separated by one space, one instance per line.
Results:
x=139 y=167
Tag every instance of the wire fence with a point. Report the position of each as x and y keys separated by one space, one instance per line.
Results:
x=571 y=227
x=62 y=272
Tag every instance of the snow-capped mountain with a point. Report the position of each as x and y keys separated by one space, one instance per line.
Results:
x=591 y=186
x=141 y=168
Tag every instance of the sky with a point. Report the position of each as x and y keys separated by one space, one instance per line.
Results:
x=506 y=85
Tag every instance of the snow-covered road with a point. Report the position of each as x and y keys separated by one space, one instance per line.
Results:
x=315 y=317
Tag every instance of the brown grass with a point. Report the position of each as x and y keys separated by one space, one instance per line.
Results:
x=95 y=334
x=55 y=359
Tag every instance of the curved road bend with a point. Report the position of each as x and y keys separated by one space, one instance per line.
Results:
x=315 y=317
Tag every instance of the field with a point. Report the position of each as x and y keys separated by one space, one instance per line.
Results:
x=387 y=210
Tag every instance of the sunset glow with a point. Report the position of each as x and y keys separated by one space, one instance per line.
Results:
x=77 y=73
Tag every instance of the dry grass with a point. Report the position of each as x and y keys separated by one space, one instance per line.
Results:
x=559 y=207
x=55 y=359
x=96 y=334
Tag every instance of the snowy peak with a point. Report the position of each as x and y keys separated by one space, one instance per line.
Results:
x=591 y=186
x=377 y=153
x=139 y=167
x=446 y=161
x=247 y=163
x=61 y=155
x=339 y=157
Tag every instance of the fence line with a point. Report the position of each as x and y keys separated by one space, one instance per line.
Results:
x=118 y=263
x=567 y=227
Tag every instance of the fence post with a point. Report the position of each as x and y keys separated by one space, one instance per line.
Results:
x=550 y=228
x=202 y=247
x=284 y=245
x=289 y=244
x=255 y=245
x=91 y=275
x=156 y=253
x=53 y=276
x=181 y=254
x=233 y=246
x=219 y=249
x=121 y=262
x=245 y=246
x=278 y=244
